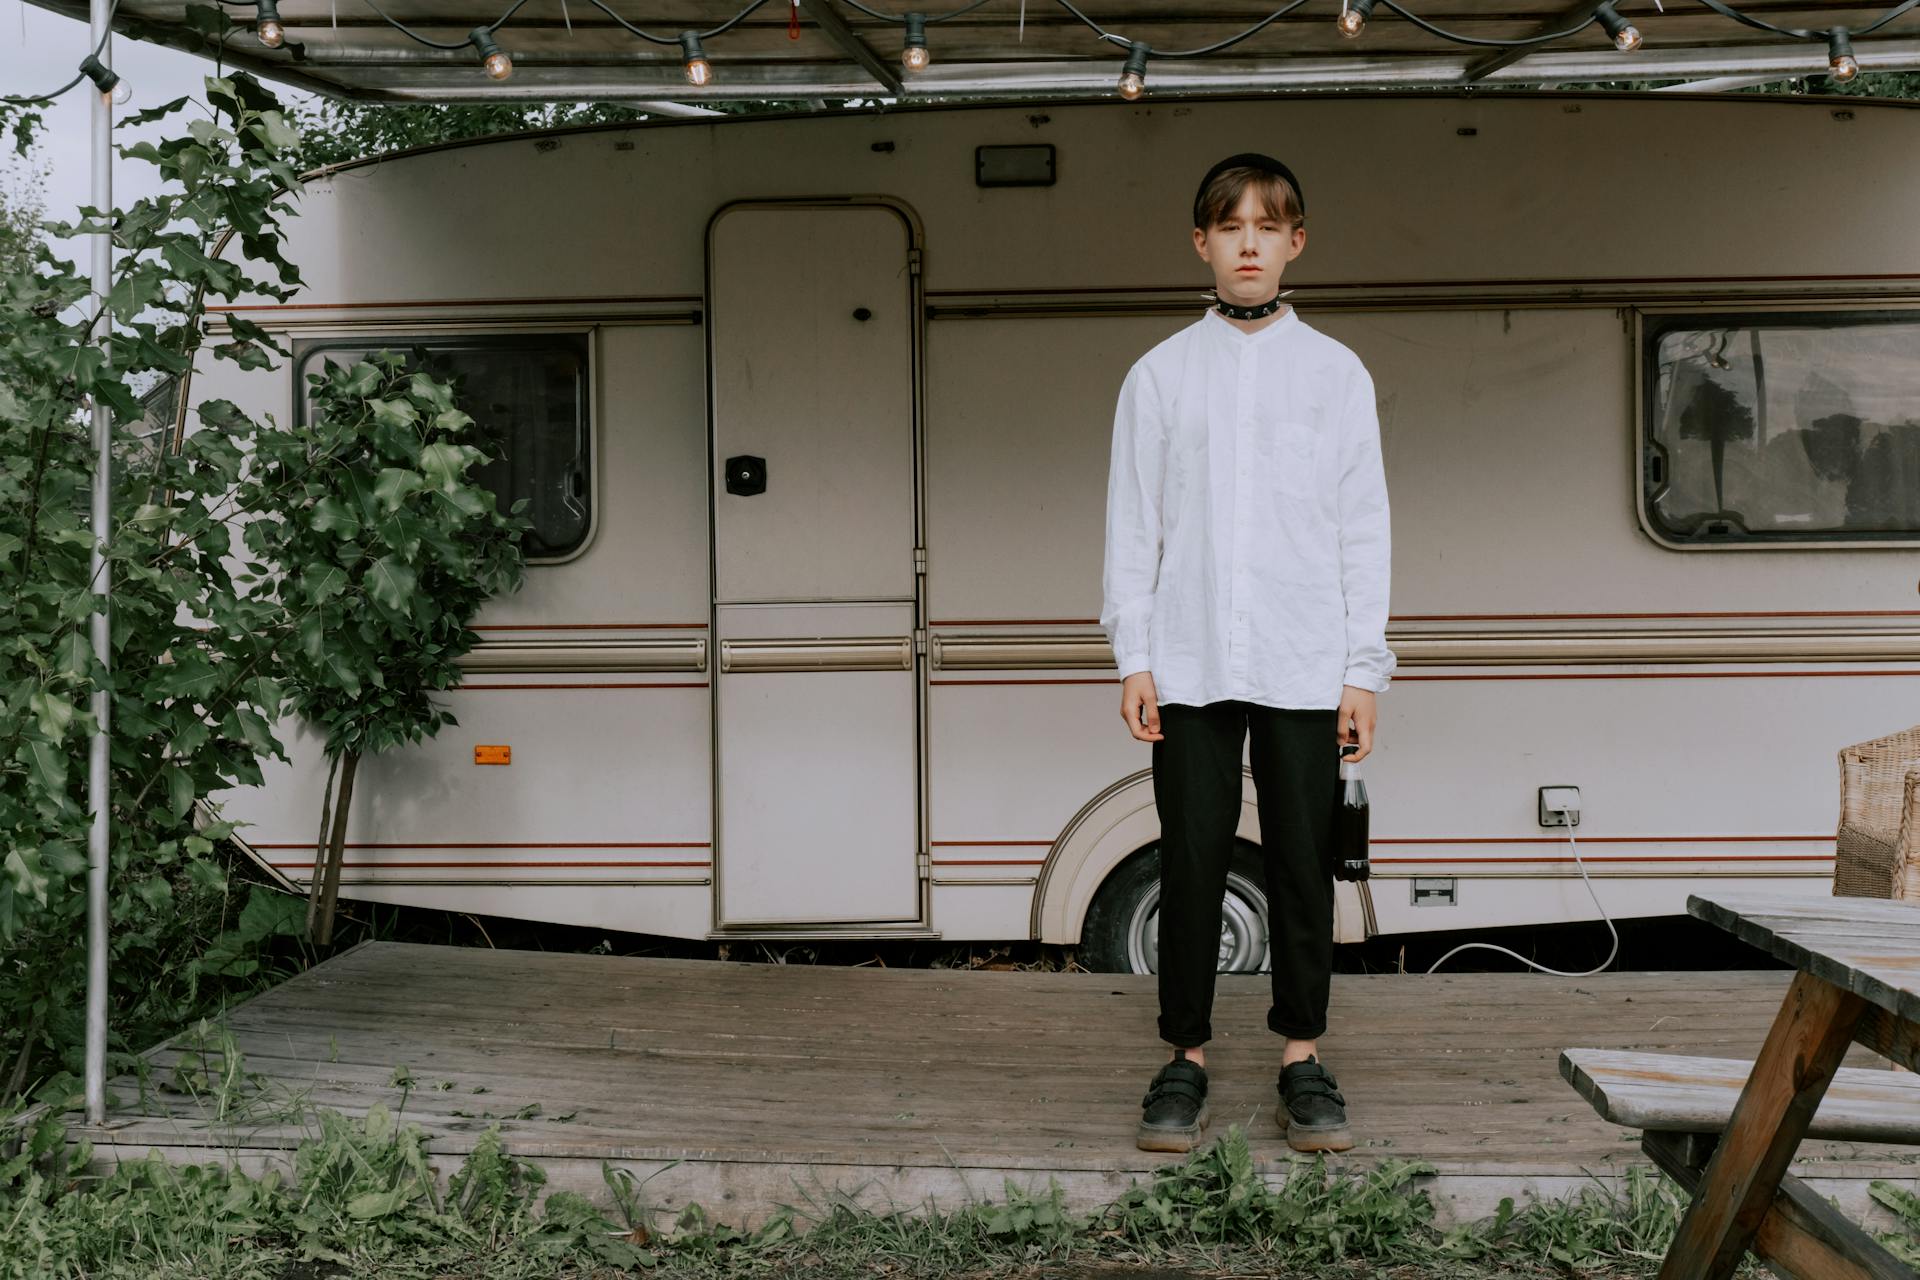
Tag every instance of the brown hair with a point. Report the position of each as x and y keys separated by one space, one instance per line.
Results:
x=1222 y=196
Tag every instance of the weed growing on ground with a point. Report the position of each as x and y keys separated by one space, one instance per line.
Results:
x=365 y=1199
x=1903 y=1243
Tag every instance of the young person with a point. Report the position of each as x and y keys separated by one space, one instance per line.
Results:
x=1246 y=600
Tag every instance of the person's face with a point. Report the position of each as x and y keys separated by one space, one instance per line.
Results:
x=1248 y=250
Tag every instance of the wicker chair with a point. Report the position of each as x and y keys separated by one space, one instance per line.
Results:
x=1878 y=844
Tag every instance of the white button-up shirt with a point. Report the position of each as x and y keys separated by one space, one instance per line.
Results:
x=1247 y=522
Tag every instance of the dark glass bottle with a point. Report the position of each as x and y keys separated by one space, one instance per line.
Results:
x=1350 y=824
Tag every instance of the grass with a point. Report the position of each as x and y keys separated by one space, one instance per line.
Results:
x=364 y=1200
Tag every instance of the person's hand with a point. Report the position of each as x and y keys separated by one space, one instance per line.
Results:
x=1355 y=721
x=1140 y=706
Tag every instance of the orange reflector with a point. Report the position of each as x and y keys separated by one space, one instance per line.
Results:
x=500 y=754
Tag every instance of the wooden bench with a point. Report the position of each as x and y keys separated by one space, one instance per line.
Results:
x=1663 y=1093
x=1730 y=1132
x=1682 y=1105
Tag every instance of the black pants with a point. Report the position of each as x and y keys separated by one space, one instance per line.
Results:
x=1196 y=786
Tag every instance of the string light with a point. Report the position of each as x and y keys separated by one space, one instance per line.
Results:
x=267 y=25
x=112 y=88
x=699 y=70
x=497 y=64
x=915 y=57
x=1841 y=64
x=1626 y=36
x=1133 y=78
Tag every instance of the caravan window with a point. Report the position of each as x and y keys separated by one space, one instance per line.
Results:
x=528 y=397
x=1782 y=428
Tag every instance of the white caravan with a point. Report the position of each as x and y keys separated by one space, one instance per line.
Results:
x=813 y=414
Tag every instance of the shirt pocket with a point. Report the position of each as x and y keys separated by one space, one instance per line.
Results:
x=1294 y=450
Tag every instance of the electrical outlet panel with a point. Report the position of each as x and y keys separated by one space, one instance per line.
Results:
x=1559 y=806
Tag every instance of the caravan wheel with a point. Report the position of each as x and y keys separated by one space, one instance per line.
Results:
x=1122 y=930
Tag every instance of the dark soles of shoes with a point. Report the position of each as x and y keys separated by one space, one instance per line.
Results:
x=1299 y=1139
x=1154 y=1137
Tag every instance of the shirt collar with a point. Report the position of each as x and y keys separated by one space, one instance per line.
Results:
x=1286 y=320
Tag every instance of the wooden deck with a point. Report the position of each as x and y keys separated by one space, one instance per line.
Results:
x=744 y=1086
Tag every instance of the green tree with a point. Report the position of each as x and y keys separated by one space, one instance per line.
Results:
x=371 y=532
x=191 y=689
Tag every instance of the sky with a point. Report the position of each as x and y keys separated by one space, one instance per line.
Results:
x=39 y=51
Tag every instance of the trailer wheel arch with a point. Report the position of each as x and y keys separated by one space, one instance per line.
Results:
x=1113 y=826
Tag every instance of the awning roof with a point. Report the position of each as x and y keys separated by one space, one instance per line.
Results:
x=570 y=50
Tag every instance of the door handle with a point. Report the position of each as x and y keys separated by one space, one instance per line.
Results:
x=746 y=475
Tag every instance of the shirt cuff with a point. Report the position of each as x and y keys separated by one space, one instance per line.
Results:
x=1131 y=664
x=1362 y=679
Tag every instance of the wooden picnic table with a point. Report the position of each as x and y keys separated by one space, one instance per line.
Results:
x=1858 y=982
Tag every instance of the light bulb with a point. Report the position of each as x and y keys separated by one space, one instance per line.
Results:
x=699 y=70
x=1353 y=18
x=1133 y=79
x=1841 y=64
x=916 y=55
x=267 y=25
x=1626 y=36
x=122 y=94
x=493 y=59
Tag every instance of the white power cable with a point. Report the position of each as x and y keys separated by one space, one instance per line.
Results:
x=1558 y=973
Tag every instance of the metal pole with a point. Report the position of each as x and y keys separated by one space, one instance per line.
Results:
x=99 y=799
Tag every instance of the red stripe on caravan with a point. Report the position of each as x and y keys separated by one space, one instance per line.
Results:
x=451 y=302
x=1448 y=862
x=1663 y=675
x=660 y=684
x=591 y=626
x=1597 y=839
x=1472 y=282
x=525 y=844
x=1486 y=617
x=476 y=866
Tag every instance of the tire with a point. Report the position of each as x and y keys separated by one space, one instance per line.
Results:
x=1118 y=935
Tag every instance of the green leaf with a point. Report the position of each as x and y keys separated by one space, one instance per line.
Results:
x=330 y=515
x=76 y=654
x=272 y=128
x=28 y=880
x=54 y=713
x=256 y=732
x=322 y=582
x=395 y=485
x=313 y=635
x=46 y=765
x=391 y=582
x=180 y=791
x=81 y=363
x=381 y=1204
x=151 y=114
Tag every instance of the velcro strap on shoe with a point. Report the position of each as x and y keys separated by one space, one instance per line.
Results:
x=1321 y=1085
x=1173 y=1087
x=1181 y=1077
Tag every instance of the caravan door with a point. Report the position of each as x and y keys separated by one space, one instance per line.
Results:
x=812 y=322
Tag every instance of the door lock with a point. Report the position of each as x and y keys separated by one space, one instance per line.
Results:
x=746 y=475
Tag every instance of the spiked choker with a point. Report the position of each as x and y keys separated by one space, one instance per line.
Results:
x=1233 y=311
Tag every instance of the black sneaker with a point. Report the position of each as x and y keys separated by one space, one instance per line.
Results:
x=1312 y=1110
x=1175 y=1109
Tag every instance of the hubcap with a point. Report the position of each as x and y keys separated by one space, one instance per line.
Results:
x=1244 y=946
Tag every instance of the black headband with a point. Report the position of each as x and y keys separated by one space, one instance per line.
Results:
x=1249 y=160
